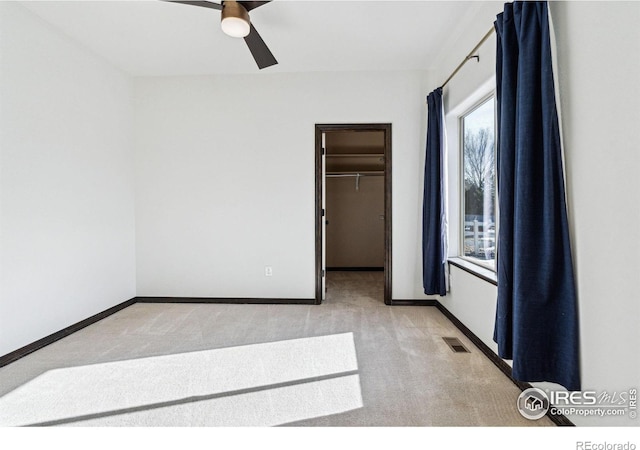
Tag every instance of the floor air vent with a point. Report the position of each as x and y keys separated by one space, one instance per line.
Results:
x=455 y=345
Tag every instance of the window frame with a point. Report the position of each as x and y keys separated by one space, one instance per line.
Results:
x=477 y=103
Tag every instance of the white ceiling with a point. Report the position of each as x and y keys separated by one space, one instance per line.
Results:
x=151 y=37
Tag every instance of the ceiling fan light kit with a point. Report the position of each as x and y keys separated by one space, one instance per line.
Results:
x=235 y=20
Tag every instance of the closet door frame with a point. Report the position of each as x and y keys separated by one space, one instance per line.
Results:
x=319 y=192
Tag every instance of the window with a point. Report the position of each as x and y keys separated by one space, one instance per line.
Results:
x=478 y=240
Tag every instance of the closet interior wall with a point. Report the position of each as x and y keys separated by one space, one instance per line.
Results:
x=355 y=200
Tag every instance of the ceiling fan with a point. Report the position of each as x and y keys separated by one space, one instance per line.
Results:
x=235 y=22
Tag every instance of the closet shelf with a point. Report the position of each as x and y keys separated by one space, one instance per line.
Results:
x=344 y=162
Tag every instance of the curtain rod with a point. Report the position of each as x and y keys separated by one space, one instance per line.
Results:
x=469 y=56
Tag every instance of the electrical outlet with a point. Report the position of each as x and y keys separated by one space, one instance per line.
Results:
x=268 y=271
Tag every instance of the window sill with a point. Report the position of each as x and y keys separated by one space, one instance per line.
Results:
x=474 y=269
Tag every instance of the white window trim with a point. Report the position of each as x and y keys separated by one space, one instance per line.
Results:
x=453 y=121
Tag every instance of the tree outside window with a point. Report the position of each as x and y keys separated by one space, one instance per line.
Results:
x=479 y=174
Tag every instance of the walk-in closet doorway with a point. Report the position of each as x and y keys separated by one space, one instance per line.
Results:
x=353 y=205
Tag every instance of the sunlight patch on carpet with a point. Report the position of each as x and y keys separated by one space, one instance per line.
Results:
x=262 y=384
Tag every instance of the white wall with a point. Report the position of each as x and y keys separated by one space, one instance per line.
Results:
x=598 y=48
x=600 y=102
x=225 y=178
x=66 y=199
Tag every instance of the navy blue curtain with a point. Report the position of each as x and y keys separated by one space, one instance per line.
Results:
x=536 y=320
x=434 y=251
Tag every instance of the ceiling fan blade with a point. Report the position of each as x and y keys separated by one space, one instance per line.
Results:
x=252 y=5
x=204 y=4
x=259 y=50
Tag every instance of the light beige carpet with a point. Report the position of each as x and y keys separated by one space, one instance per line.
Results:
x=350 y=362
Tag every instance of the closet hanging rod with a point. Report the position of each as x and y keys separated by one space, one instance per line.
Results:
x=340 y=175
x=471 y=55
